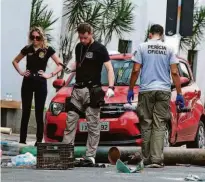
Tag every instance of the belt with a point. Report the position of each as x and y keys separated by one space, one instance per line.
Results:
x=86 y=84
x=34 y=74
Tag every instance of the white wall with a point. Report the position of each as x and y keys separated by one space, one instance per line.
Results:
x=158 y=15
x=200 y=76
x=0 y=51
x=57 y=7
x=202 y=2
x=140 y=25
x=15 y=27
x=144 y=14
x=14 y=30
x=157 y=11
x=152 y=12
x=200 y=63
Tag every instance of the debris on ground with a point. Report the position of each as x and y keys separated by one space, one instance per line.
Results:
x=6 y=162
x=30 y=149
x=23 y=160
x=191 y=177
x=184 y=165
x=26 y=159
x=135 y=158
x=86 y=162
x=123 y=168
x=11 y=148
x=5 y=130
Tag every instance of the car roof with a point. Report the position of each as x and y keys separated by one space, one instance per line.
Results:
x=182 y=59
x=120 y=56
x=129 y=56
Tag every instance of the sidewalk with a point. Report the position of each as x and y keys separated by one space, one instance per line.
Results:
x=31 y=138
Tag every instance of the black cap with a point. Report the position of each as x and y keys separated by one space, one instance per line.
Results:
x=157 y=29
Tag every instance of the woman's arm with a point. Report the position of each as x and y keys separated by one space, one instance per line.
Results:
x=15 y=63
x=57 y=60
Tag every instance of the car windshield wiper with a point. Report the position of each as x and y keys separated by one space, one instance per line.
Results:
x=104 y=84
x=122 y=84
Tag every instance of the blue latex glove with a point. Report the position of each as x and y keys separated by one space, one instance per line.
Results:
x=130 y=96
x=180 y=101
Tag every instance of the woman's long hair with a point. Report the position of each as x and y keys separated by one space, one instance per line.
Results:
x=42 y=35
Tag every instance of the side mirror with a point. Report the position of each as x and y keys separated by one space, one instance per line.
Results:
x=59 y=83
x=184 y=81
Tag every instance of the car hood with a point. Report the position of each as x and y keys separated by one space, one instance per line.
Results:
x=120 y=94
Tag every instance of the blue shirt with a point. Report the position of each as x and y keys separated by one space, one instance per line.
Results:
x=155 y=57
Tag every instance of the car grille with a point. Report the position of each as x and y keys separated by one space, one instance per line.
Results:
x=112 y=110
x=107 y=111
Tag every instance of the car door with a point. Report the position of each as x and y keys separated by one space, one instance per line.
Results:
x=186 y=122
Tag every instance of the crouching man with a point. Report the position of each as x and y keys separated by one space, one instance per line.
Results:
x=87 y=95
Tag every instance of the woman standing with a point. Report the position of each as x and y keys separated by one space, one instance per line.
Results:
x=34 y=81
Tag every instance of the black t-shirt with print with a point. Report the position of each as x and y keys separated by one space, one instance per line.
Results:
x=90 y=61
x=37 y=60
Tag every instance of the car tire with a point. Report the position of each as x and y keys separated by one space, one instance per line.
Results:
x=167 y=137
x=199 y=141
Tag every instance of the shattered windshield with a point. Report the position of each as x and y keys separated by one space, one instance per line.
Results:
x=122 y=70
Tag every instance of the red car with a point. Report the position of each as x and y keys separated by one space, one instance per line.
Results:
x=119 y=121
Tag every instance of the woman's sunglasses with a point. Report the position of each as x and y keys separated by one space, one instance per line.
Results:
x=38 y=38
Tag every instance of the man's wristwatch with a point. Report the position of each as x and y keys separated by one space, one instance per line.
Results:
x=112 y=87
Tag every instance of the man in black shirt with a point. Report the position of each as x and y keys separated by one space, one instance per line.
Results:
x=87 y=95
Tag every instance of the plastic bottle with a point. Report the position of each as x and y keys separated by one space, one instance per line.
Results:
x=10 y=148
x=10 y=97
x=7 y=96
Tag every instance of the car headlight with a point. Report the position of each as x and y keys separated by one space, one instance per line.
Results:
x=56 y=108
x=132 y=106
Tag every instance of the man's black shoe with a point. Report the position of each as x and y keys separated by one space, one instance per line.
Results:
x=85 y=162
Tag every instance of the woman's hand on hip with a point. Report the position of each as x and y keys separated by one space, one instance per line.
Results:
x=25 y=73
x=44 y=75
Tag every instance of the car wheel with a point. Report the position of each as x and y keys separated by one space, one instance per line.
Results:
x=199 y=141
x=166 y=137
